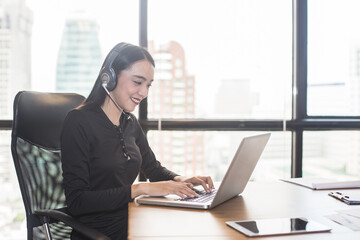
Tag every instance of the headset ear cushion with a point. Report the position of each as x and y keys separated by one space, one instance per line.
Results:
x=112 y=81
x=109 y=78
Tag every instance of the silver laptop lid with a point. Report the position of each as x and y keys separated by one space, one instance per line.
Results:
x=241 y=168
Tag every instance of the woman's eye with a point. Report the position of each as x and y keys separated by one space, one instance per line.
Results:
x=148 y=86
x=137 y=82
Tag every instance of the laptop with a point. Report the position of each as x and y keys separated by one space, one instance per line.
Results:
x=233 y=183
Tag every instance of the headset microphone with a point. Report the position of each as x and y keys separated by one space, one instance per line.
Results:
x=113 y=100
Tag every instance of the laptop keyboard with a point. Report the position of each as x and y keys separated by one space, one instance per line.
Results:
x=203 y=197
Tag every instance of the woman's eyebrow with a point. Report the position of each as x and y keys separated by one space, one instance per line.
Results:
x=141 y=77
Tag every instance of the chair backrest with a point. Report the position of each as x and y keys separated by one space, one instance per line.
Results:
x=35 y=146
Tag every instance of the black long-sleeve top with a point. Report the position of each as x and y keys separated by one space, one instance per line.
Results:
x=97 y=176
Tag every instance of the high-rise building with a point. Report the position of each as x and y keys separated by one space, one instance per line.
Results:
x=15 y=33
x=79 y=57
x=172 y=96
x=16 y=21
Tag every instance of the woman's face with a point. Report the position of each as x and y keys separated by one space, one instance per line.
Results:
x=133 y=85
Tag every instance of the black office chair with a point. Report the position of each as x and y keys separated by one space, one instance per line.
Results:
x=35 y=146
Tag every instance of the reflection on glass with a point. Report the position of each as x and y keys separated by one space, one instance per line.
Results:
x=275 y=226
x=251 y=225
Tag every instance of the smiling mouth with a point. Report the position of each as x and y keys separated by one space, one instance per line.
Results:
x=136 y=100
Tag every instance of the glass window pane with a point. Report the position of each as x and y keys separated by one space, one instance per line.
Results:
x=12 y=212
x=59 y=45
x=221 y=59
x=331 y=154
x=197 y=153
x=333 y=57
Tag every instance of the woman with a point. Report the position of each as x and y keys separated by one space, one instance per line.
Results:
x=103 y=147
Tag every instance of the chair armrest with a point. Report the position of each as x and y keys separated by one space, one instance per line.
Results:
x=70 y=221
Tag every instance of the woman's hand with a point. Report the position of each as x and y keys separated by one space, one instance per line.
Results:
x=204 y=181
x=181 y=189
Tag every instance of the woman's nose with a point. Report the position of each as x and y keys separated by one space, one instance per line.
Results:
x=143 y=91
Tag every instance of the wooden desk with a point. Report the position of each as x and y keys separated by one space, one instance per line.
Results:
x=259 y=200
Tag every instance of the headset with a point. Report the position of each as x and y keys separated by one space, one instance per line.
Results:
x=107 y=73
x=108 y=76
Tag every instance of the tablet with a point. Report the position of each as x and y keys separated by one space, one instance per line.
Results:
x=277 y=226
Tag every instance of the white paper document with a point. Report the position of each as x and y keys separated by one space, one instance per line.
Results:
x=317 y=183
x=348 y=218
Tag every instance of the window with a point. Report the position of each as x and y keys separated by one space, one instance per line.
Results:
x=334 y=154
x=206 y=152
x=242 y=69
x=333 y=88
x=12 y=209
x=36 y=54
x=76 y=27
x=333 y=58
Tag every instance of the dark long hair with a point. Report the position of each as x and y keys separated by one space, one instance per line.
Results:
x=128 y=55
